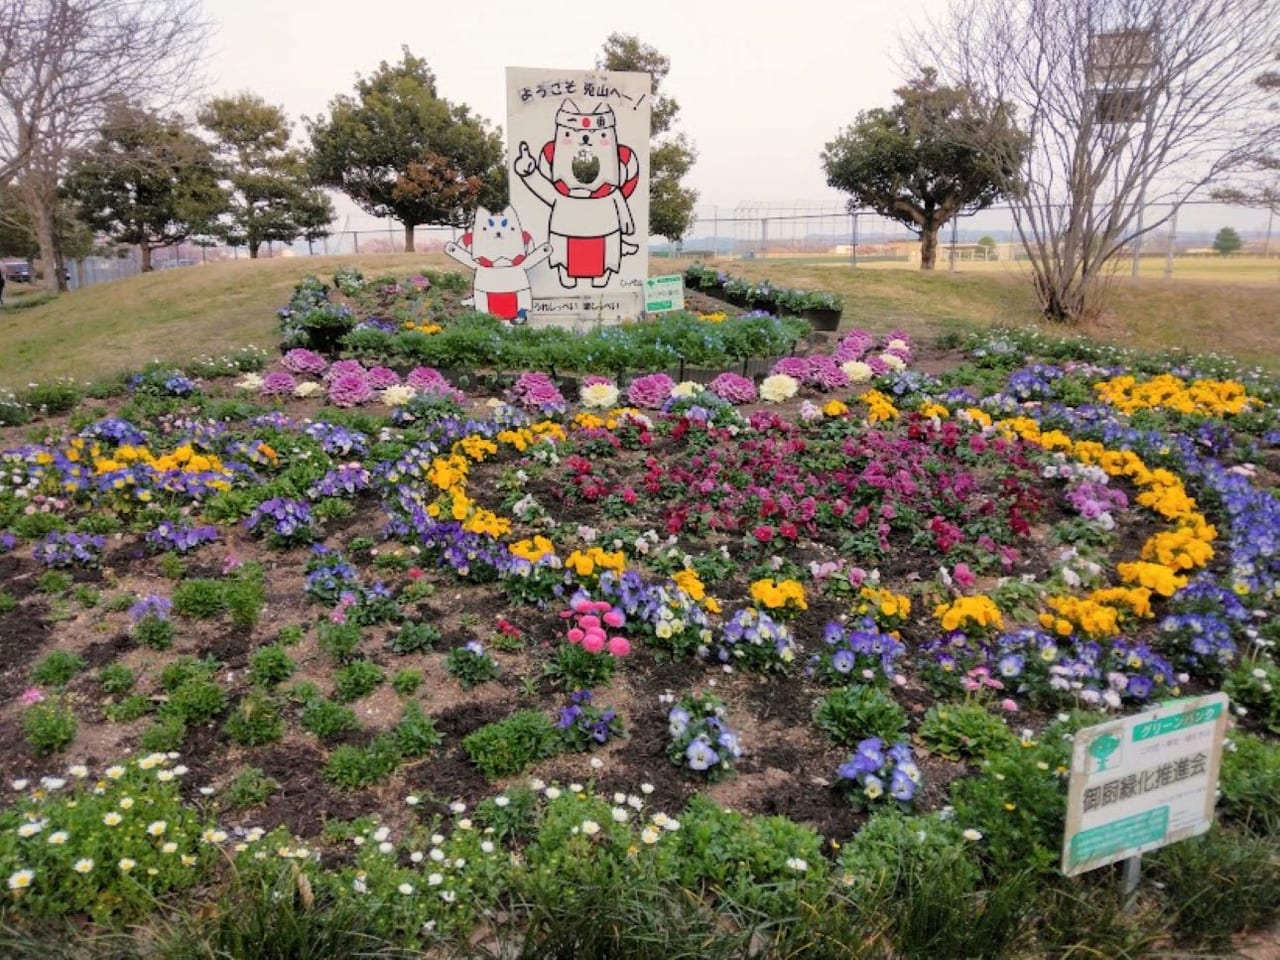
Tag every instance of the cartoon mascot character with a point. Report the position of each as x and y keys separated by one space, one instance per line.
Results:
x=585 y=176
x=501 y=254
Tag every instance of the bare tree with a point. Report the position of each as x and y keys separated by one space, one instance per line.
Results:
x=1130 y=104
x=62 y=64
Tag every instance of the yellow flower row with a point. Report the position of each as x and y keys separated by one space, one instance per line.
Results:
x=879 y=407
x=592 y=560
x=1167 y=392
x=779 y=594
x=886 y=602
x=976 y=611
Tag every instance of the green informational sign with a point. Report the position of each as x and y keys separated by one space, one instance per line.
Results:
x=1142 y=782
x=662 y=294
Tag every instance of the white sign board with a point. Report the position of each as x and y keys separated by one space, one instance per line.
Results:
x=1143 y=782
x=662 y=294
x=578 y=166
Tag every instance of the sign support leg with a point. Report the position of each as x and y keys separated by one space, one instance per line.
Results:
x=1129 y=882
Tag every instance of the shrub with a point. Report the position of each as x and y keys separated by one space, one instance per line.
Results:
x=200 y=599
x=1250 y=783
x=470 y=665
x=271 y=666
x=575 y=668
x=339 y=640
x=855 y=713
x=351 y=767
x=165 y=734
x=405 y=682
x=414 y=637
x=131 y=708
x=154 y=632
x=196 y=701
x=116 y=679
x=963 y=731
x=508 y=746
x=250 y=788
x=356 y=680
x=57 y=669
x=49 y=727
x=255 y=720
x=327 y=719
x=416 y=733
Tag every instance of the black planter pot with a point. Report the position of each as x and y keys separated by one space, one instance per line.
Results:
x=823 y=319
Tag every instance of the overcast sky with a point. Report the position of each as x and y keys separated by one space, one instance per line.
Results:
x=762 y=84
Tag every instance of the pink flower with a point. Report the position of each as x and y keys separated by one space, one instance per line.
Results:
x=31 y=696
x=734 y=388
x=1008 y=706
x=619 y=647
x=963 y=576
x=300 y=360
x=593 y=642
x=382 y=377
x=614 y=618
x=650 y=392
x=349 y=389
x=277 y=383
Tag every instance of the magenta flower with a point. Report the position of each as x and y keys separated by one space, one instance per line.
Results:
x=825 y=374
x=733 y=388
x=342 y=368
x=426 y=379
x=301 y=360
x=350 y=389
x=536 y=391
x=797 y=367
x=382 y=377
x=31 y=696
x=277 y=383
x=594 y=379
x=853 y=346
x=650 y=392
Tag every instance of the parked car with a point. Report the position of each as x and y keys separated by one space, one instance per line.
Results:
x=17 y=271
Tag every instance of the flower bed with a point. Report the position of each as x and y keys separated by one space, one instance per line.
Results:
x=469 y=657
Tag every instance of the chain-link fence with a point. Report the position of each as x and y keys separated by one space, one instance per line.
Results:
x=755 y=231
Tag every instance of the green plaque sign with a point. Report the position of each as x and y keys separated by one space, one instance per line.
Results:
x=663 y=294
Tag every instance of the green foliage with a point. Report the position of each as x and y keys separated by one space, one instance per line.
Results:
x=52 y=398
x=919 y=877
x=195 y=702
x=909 y=162
x=574 y=668
x=256 y=720
x=470 y=665
x=166 y=734
x=406 y=681
x=55 y=582
x=34 y=526
x=1250 y=783
x=1218 y=885
x=414 y=637
x=271 y=666
x=854 y=713
x=745 y=859
x=244 y=593
x=1226 y=241
x=116 y=679
x=370 y=146
x=147 y=180
x=351 y=767
x=132 y=707
x=508 y=746
x=269 y=199
x=1018 y=802
x=201 y=599
x=249 y=788
x=49 y=726
x=416 y=734
x=1255 y=685
x=356 y=679
x=153 y=632
x=327 y=719
x=963 y=731
x=57 y=669
x=8 y=602
x=340 y=640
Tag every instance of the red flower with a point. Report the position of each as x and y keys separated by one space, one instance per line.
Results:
x=414 y=573
x=763 y=533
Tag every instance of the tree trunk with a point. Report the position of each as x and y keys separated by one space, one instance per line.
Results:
x=47 y=237
x=408 y=238
x=254 y=246
x=146 y=257
x=928 y=247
